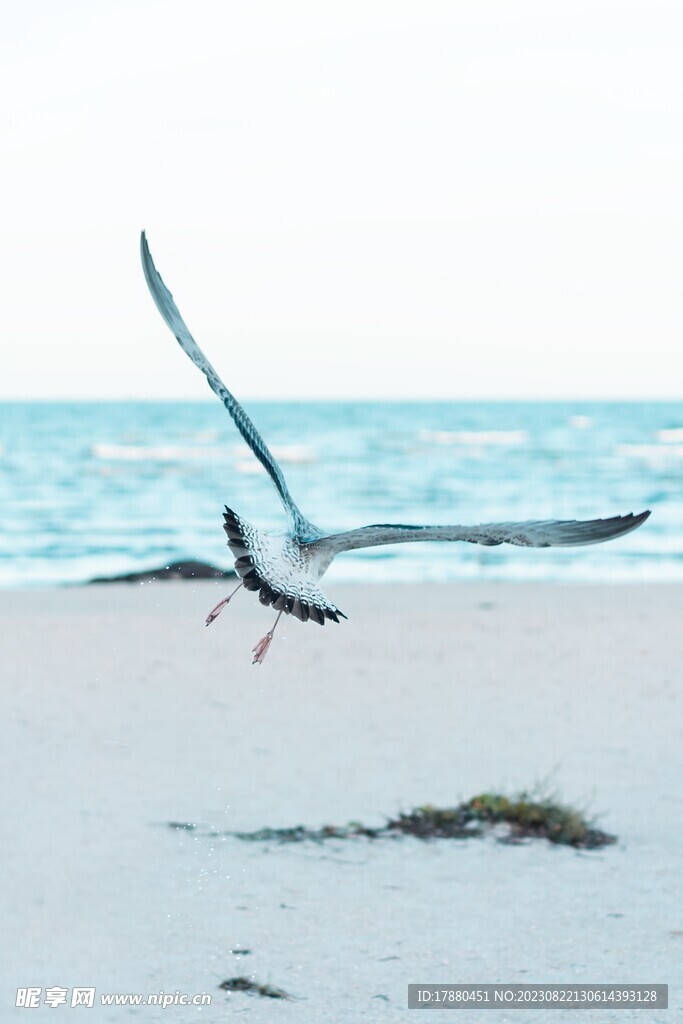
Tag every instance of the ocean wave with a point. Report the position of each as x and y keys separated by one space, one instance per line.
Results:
x=580 y=422
x=153 y=453
x=673 y=435
x=474 y=438
x=87 y=489
x=653 y=453
x=249 y=467
x=299 y=454
x=289 y=453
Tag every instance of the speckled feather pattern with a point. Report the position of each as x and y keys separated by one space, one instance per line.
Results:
x=284 y=572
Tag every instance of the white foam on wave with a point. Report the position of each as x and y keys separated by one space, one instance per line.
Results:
x=672 y=436
x=154 y=453
x=249 y=467
x=289 y=453
x=580 y=422
x=292 y=454
x=653 y=453
x=300 y=454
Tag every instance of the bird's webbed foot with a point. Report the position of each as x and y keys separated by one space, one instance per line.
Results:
x=215 y=612
x=262 y=646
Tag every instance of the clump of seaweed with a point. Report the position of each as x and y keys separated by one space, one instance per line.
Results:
x=254 y=988
x=300 y=834
x=430 y=822
x=525 y=816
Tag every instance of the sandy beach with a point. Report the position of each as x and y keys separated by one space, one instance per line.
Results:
x=121 y=713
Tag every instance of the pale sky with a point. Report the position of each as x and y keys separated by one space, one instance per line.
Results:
x=375 y=199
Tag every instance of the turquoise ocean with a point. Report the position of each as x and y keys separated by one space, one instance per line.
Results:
x=98 y=489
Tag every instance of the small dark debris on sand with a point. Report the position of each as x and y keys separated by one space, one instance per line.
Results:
x=522 y=817
x=243 y=984
x=176 y=571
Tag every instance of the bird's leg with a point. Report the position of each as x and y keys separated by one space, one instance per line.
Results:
x=262 y=646
x=220 y=606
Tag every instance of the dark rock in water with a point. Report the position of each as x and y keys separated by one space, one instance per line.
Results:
x=176 y=571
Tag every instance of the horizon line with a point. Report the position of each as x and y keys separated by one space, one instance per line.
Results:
x=527 y=399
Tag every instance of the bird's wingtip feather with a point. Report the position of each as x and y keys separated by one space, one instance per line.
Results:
x=639 y=517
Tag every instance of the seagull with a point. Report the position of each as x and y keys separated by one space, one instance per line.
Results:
x=286 y=568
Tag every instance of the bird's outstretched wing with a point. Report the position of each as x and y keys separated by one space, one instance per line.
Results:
x=534 y=534
x=303 y=530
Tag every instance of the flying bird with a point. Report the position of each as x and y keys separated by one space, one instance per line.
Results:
x=286 y=569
